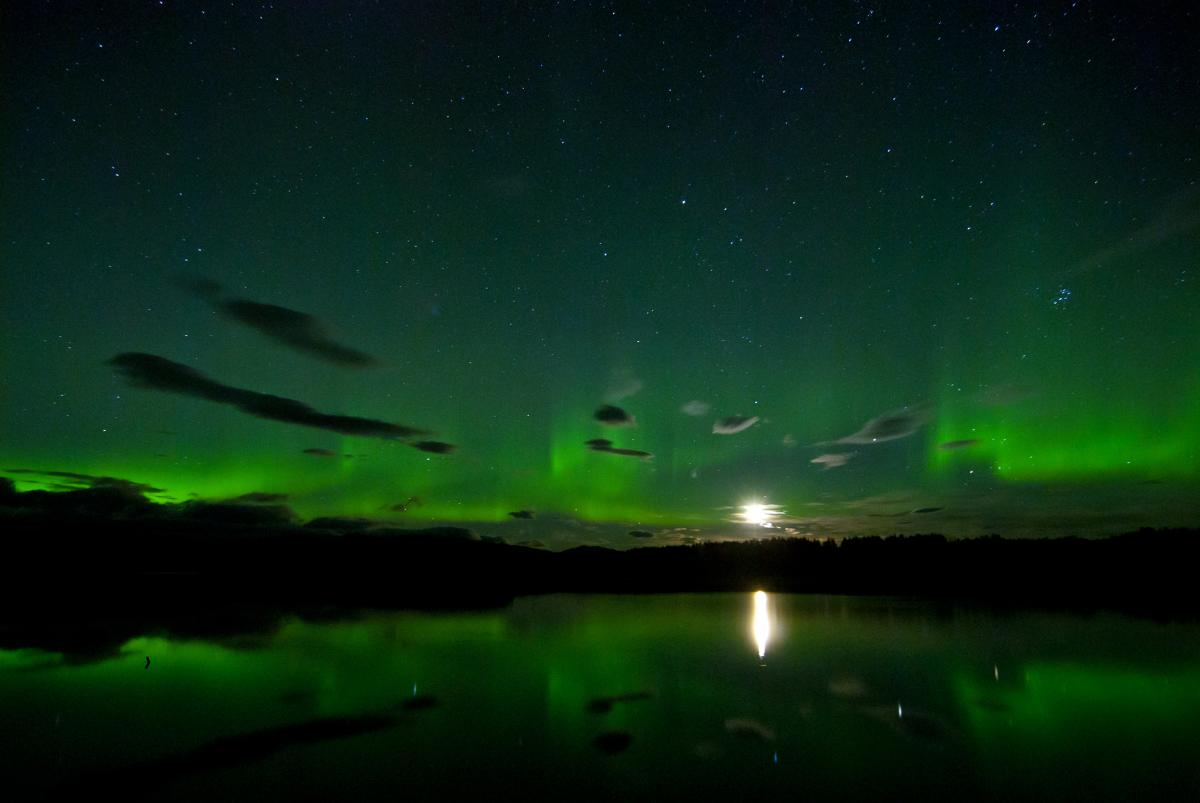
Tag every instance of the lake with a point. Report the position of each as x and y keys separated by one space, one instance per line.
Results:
x=645 y=697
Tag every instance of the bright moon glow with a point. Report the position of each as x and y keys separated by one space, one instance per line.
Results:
x=757 y=514
x=761 y=623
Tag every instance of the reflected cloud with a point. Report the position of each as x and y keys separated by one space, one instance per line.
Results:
x=233 y=751
x=751 y=729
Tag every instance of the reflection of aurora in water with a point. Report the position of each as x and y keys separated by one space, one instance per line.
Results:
x=992 y=706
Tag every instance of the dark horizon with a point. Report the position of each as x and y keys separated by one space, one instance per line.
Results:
x=104 y=547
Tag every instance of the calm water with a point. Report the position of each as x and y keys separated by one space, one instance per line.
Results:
x=851 y=699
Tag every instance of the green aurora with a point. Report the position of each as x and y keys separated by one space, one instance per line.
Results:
x=814 y=219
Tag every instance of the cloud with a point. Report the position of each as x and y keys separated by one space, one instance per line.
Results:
x=605 y=445
x=232 y=514
x=226 y=753
x=104 y=501
x=435 y=447
x=402 y=507
x=521 y=514
x=834 y=460
x=1179 y=215
x=260 y=498
x=340 y=523
x=296 y=330
x=890 y=426
x=611 y=416
x=315 y=452
x=732 y=425
x=624 y=385
x=952 y=445
x=78 y=480
x=124 y=500
x=641 y=534
x=695 y=408
x=927 y=510
x=158 y=373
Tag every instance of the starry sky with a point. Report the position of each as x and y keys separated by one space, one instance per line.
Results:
x=866 y=268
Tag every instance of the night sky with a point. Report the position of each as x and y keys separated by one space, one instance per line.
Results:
x=940 y=262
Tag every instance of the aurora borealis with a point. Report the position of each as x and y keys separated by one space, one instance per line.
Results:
x=974 y=228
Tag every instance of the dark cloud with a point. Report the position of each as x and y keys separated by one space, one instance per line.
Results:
x=731 y=425
x=890 y=426
x=951 y=445
x=521 y=514
x=123 y=500
x=641 y=534
x=436 y=447
x=611 y=416
x=110 y=502
x=927 y=510
x=260 y=498
x=289 y=327
x=605 y=445
x=402 y=507
x=158 y=373
x=89 y=480
x=315 y=452
x=340 y=523
x=232 y=514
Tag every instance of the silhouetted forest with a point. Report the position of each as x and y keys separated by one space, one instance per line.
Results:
x=50 y=557
x=80 y=576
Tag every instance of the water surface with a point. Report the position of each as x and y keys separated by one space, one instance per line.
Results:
x=675 y=696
